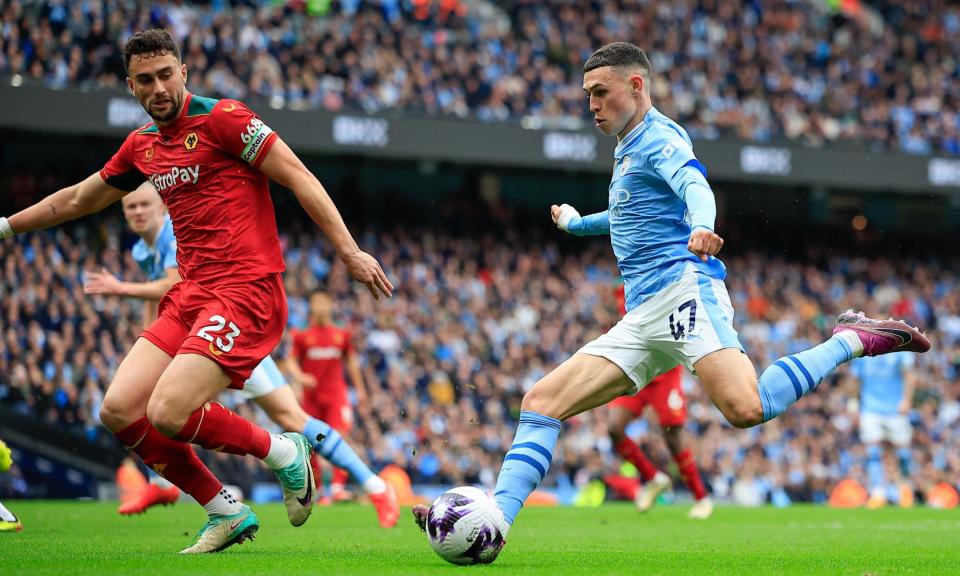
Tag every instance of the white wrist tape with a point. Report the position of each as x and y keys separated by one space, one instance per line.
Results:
x=567 y=214
x=5 y=230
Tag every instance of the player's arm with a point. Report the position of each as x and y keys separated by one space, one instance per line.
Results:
x=297 y=373
x=569 y=220
x=691 y=186
x=86 y=197
x=672 y=157
x=106 y=283
x=356 y=377
x=283 y=166
x=292 y=363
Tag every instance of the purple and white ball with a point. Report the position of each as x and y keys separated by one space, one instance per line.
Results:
x=464 y=526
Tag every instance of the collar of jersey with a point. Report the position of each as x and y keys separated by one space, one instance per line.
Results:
x=635 y=133
x=174 y=126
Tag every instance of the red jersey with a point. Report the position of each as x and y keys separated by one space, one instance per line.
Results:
x=320 y=351
x=204 y=165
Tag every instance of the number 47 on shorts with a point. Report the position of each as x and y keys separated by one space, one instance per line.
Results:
x=676 y=325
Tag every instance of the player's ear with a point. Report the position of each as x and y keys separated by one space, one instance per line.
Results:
x=130 y=86
x=636 y=84
x=183 y=70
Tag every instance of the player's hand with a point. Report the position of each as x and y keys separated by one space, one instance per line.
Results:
x=365 y=269
x=562 y=215
x=101 y=282
x=307 y=380
x=904 y=407
x=704 y=243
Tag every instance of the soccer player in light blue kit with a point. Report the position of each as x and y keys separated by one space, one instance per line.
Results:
x=156 y=254
x=886 y=393
x=660 y=219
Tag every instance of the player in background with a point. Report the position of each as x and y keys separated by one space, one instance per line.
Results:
x=886 y=394
x=156 y=254
x=211 y=161
x=317 y=360
x=8 y=521
x=665 y=395
x=660 y=219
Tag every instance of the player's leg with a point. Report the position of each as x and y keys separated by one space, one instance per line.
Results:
x=180 y=407
x=872 y=435
x=8 y=521
x=901 y=434
x=730 y=379
x=124 y=412
x=622 y=411
x=282 y=407
x=682 y=454
x=582 y=382
x=620 y=416
x=234 y=329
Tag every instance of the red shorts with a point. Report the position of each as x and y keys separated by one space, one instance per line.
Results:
x=338 y=415
x=236 y=326
x=665 y=394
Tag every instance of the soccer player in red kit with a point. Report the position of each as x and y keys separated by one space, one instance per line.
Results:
x=665 y=395
x=319 y=355
x=211 y=161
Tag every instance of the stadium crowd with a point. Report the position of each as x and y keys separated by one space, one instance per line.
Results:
x=475 y=322
x=884 y=75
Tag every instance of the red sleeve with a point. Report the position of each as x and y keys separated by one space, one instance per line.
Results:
x=241 y=133
x=120 y=171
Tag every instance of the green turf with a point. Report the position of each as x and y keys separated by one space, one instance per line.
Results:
x=90 y=538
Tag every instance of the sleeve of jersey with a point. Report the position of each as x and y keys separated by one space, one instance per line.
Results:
x=120 y=171
x=673 y=159
x=241 y=133
x=170 y=253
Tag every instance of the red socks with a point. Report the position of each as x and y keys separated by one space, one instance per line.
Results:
x=175 y=461
x=216 y=428
x=633 y=454
x=688 y=467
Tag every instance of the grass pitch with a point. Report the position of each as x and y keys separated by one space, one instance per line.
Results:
x=90 y=538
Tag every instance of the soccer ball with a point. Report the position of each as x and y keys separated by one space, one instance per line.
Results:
x=464 y=526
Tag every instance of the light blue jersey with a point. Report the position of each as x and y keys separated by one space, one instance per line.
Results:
x=649 y=224
x=155 y=260
x=881 y=381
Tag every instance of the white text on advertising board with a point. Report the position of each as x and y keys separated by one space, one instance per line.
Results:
x=943 y=172
x=569 y=146
x=765 y=160
x=358 y=131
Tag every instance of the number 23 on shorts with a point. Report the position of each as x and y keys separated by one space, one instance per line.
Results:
x=213 y=333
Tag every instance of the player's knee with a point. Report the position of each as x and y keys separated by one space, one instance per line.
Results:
x=744 y=414
x=115 y=415
x=165 y=418
x=539 y=401
x=617 y=431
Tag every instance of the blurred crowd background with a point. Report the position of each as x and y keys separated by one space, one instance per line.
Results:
x=476 y=320
x=882 y=74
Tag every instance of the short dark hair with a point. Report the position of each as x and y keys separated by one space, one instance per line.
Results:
x=154 y=42
x=618 y=55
